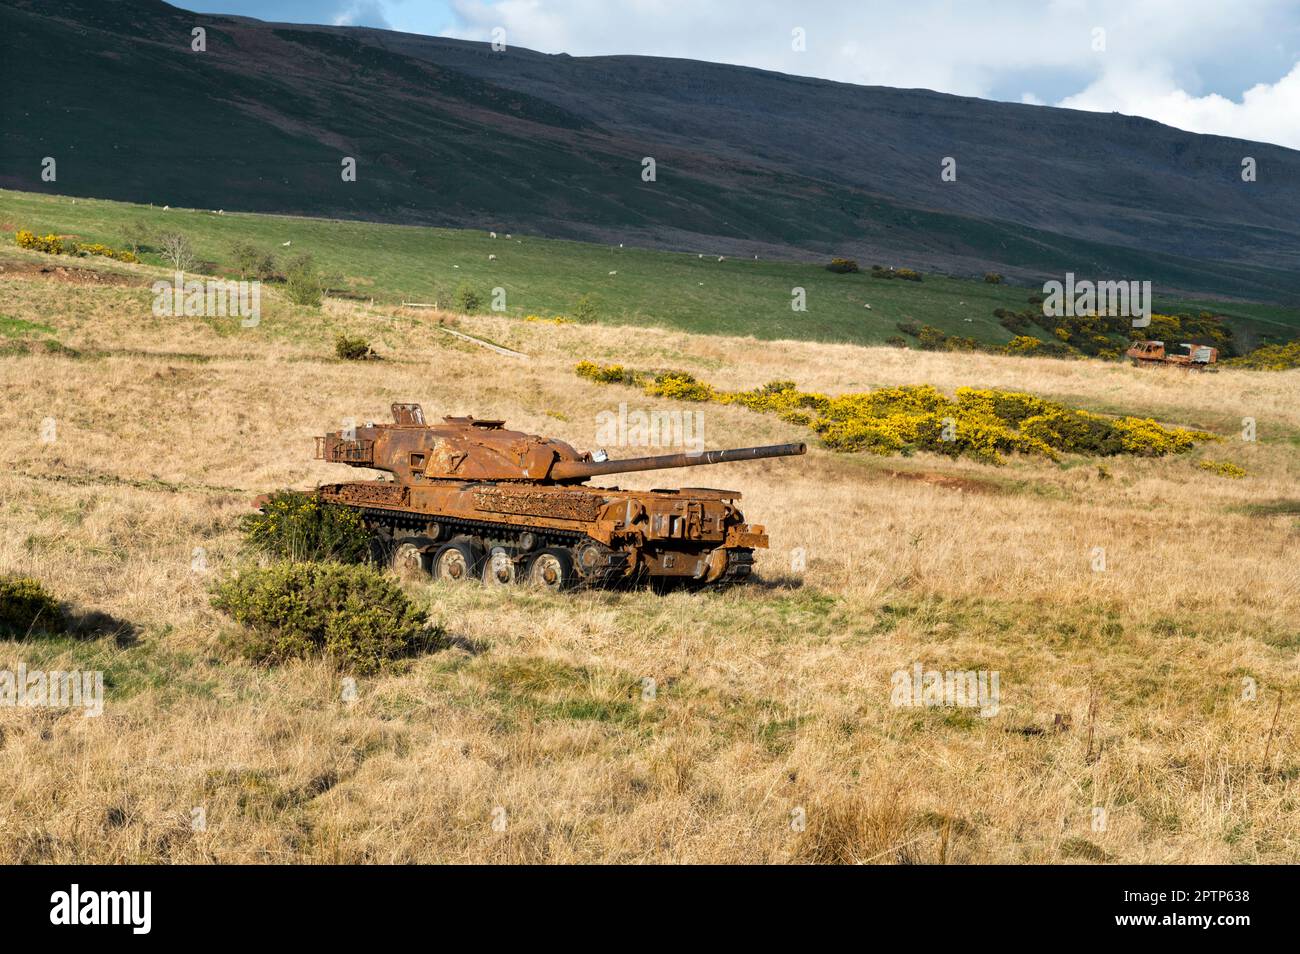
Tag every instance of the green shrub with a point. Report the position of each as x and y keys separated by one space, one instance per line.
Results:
x=842 y=265
x=932 y=339
x=353 y=349
x=587 y=309
x=993 y=278
x=1015 y=323
x=302 y=282
x=251 y=261
x=1075 y=431
x=354 y=616
x=468 y=300
x=908 y=275
x=293 y=525
x=896 y=341
x=27 y=609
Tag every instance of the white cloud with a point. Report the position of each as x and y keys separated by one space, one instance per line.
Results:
x=1269 y=112
x=1191 y=51
x=368 y=13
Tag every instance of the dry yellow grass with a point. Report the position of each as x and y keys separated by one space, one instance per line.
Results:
x=770 y=736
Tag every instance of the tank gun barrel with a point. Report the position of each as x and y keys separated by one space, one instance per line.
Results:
x=582 y=469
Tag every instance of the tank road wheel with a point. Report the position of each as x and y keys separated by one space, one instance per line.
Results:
x=552 y=569
x=499 y=569
x=457 y=562
x=410 y=557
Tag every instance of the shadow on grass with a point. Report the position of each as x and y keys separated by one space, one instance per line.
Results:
x=88 y=625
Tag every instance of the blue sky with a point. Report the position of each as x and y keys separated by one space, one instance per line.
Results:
x=1212 y=66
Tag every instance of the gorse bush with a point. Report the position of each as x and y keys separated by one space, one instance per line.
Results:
x=929 y=338
x=53 y=245
x=292 y=525
x=1274 y=357
x=1224 y=468
x=95 y=248
x=49 y=244
x=353 y=349
x=608 y=373
x=907 y=274
x=1104 y=336
x=680 y=385
x=354 y=616
x=302 y=282
x=467 y=300
x=842 y=265
x=983 y=424
x=28 y=609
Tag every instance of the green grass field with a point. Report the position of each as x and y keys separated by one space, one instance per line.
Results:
x=392 y=263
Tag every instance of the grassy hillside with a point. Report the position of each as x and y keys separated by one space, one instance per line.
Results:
x=448 y=133
x=771 y=736
x=392 y=263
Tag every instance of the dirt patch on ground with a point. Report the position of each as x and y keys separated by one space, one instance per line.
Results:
x=966 y=484
x=67 y=274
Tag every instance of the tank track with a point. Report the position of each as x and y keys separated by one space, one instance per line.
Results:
x=740 y=563
x=611 y=571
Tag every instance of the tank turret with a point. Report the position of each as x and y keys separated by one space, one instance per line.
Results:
x=470 y=499
x=462 y=448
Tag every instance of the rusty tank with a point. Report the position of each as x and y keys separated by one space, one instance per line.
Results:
x=469 y=499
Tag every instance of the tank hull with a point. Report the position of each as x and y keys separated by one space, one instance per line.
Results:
x=590 y=535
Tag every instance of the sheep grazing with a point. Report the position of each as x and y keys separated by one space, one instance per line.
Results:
x=613 y=273
x=722 y=258
x=492 y=235
x=286 y=244
x=492 y=258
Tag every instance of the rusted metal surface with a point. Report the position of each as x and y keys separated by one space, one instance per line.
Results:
x=470 y=494
x=568 y=505
x=371 y=493
x=584 y=469
x=1154 y=354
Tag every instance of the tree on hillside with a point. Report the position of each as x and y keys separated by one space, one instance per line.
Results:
x=176 y=249
x=251 y=260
